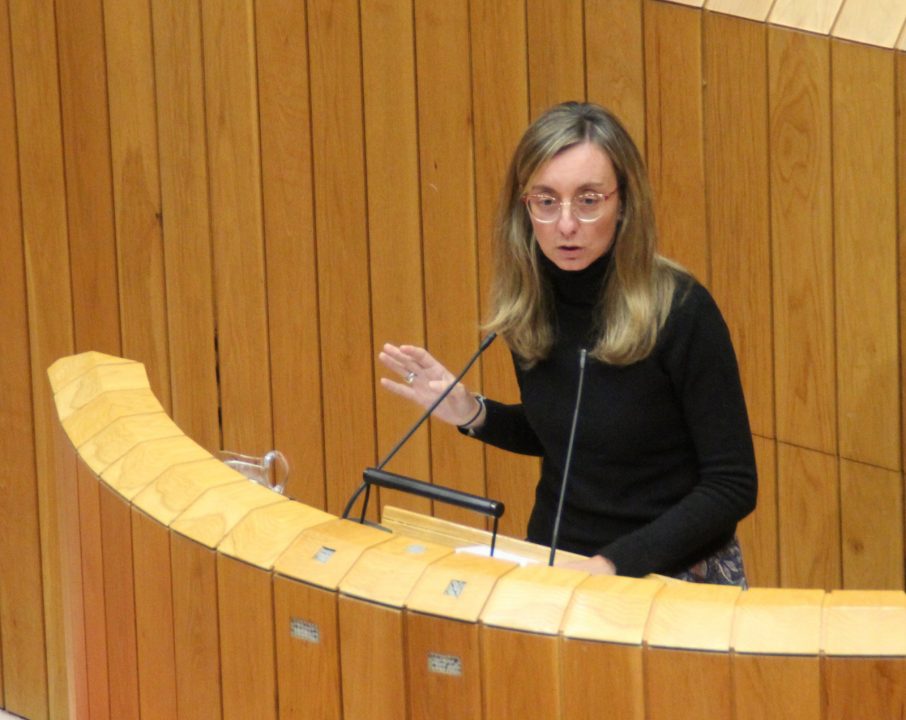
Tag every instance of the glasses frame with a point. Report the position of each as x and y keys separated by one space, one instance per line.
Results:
x=604 y=197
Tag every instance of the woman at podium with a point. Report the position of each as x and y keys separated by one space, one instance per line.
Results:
x=661 y=465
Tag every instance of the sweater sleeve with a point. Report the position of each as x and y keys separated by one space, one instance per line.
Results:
x=699 y=357
x=506 y=427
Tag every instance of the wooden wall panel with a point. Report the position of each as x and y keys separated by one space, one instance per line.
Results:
x=119 y=594
x=394 y=222
x=674 y=140
x=97 y=665
x=446 y=161
x=196 y=638
x=674 y=682
x=292 y=282
x=781 y=688
x=236 y=224
x=21 y=622
x=901 y=233
x=615 y=61
x=533 y=668
x=871 y=502
x=155 y=649
x=865 y=242
x=47 y=274
x=347 y=348
x=809 y=518
x=556 y=53
x=737 y=184
x=186 y=224
x=802 y=237
x=89 y=184
x=136 y=190
x=501 y=111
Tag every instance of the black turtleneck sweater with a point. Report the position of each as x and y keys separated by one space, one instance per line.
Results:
x=663 y=466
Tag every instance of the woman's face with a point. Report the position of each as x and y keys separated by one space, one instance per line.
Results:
x=567 y=242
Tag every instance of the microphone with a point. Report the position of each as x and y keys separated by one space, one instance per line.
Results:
x=365 y=486
x=569 y=456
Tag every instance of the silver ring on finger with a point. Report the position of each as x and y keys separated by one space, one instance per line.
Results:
x=410 y=377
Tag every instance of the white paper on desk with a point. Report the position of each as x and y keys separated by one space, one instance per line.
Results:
x=485 y=551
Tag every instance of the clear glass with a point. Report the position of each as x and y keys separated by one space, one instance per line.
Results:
x=585 y=207
x=271 y=470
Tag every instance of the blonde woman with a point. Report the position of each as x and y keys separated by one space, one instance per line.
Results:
x=662 y=467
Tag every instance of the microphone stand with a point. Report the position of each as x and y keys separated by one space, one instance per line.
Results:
x=569 y=456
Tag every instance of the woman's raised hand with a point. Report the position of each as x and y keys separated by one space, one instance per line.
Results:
x=423 y=380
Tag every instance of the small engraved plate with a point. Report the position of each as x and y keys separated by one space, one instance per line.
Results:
x=455 y=588
x=444 y=664
x=324 y=554
x=304 y=630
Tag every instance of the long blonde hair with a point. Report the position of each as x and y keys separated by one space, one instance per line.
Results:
x=637 y=293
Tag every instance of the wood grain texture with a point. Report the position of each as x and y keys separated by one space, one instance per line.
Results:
x=614 y=61
x=394 y=221
x=196 y=637
x=308 y=664
x=787 y=688
x=901 y=230
x=533 y=674
x=675 y=127
x=435 y=694
x=245 y=607
x=136 y=189
x=182 y=150
x=21 y=625
x=35 y=65
x=748 y=9
x=155 y=648
x=674 y=683
x=865 y=245
x=871 y=501
x=877 y=22
x=281 y=32
x=446 y=164
x=344 y=302
x=234 y=161
x=809 y=517
x=757 y=533
x=620 y=689
x=372 y=660
x=556 y=53
x=802 y=236
x=737 y=183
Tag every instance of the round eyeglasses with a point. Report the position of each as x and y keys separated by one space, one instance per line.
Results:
x=585 y=207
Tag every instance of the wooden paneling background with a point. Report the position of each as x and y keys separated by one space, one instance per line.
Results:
x=250 y=196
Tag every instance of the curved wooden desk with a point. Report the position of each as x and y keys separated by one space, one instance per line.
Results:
x=194 y=593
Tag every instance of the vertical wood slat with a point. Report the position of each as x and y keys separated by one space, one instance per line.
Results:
x=738 y=217
x=343 y=284
x=674 y=682
x=47 y=263
x=394 y=221
x=871 y=502
x=615 y=61
x=288 y=203
x=865 y=241
x=675 y=150
x=186 y=227
x=500 y=108
x=119 y=596
x=308 y=668
x=806 y=481
x=533 y=681
x=24 y=679
x=89 y=185
x=136 y=190
x=446 y=162
x=155 y=648
x=901 y=234
x=802 y=237
x=246 y=614
x=236 y=223
x=556 y=56
x=196 y=638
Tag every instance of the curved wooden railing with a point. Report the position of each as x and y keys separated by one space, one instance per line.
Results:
x=194 y=593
